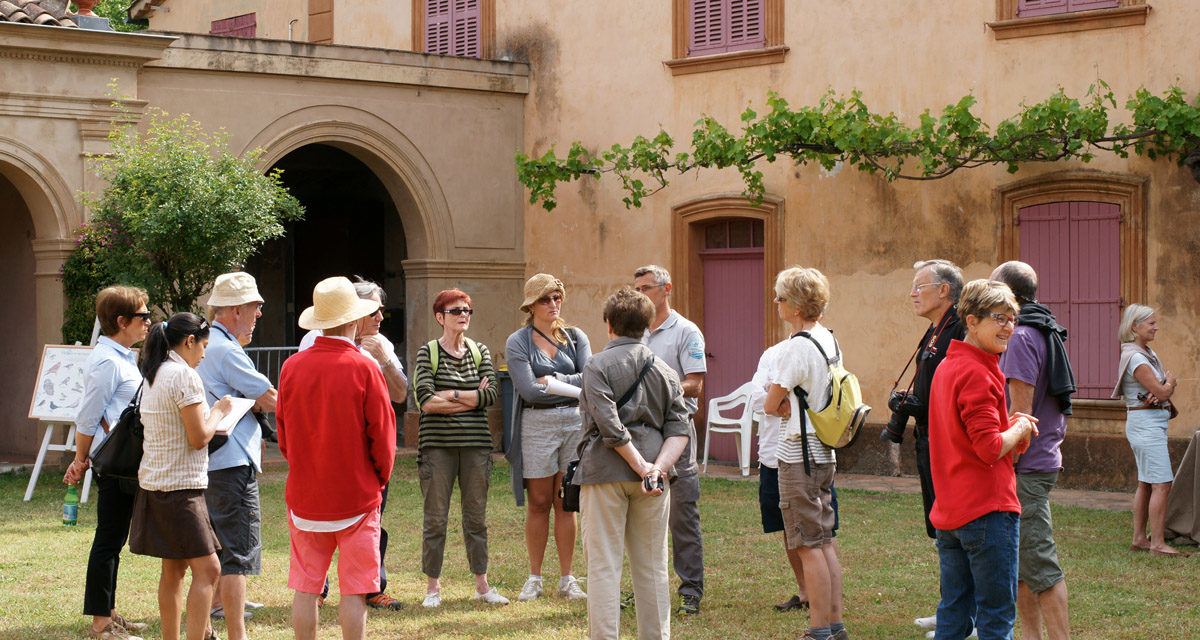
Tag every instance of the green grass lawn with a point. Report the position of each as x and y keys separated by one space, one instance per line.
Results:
x=890 y=572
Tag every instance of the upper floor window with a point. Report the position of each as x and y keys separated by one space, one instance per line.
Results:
x=244 y=26
x=1030 y=8
x=718 y=26
x=453 y=27
x=726 y=34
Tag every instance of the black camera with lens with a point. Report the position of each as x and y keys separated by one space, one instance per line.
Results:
x=903 y=405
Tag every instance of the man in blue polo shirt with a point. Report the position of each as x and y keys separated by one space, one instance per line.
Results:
x=232 y=495
x=679 y=343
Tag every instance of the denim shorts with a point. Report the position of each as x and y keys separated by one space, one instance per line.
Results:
x=768 y=499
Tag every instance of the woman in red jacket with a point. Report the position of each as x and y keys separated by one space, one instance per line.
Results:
x=972 y=441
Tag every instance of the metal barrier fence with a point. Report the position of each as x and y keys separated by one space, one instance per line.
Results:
x=268 y=360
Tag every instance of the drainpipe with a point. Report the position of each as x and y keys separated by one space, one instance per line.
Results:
x=292 y=22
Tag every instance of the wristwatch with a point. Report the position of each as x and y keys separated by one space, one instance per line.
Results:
x=456 y=394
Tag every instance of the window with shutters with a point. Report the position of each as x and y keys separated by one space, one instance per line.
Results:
x=1084 y=234
x=454 y=27
x=1022 y=18
x=244 y=26
x=726 y=34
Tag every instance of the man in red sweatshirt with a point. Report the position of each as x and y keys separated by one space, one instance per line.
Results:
x=337 y=431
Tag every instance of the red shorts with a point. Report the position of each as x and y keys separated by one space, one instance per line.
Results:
x=358 y=557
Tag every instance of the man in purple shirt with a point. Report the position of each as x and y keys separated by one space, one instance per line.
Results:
x=1040 y=383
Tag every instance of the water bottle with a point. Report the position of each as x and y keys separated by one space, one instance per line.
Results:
x=71 y=507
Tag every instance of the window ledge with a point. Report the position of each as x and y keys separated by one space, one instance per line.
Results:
x=731 y=60
x=1098 y=409
x=1069 y=22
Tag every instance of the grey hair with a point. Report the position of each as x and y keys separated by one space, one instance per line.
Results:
x=364 y=288
x=1132 y=316
x=661 y=275
x=944 y=272
x=1019 y=277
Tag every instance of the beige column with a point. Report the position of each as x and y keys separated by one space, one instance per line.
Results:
x=49 y=255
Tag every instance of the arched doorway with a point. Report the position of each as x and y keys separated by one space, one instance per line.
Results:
x=351 y=227
x=19 y=349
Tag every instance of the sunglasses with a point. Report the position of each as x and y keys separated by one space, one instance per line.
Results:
x=145 y=316
x=459 y=312
x=550 y=299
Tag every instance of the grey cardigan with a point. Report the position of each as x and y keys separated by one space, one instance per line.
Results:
x=519 y=350
x=655 y=412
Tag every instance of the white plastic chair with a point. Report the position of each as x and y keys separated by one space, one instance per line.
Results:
x=740 y=427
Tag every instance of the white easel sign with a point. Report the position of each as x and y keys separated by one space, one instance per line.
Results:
x=56 y=399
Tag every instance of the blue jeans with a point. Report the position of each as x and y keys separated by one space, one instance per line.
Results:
x=979 y=577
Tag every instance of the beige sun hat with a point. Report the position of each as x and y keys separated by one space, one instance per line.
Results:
x=233 y=289
x=540 y=286
x=335 y=302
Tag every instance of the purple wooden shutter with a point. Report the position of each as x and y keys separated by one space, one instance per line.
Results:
x=1030 y=8
x=1075 y=249
x=704 y=24
x=466 y=28
x=437 y=26
x=746 y=25
x=1090 y=5
x=718 y=26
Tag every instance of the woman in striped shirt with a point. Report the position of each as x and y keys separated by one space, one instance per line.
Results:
x=454 y=383
x=170 y=518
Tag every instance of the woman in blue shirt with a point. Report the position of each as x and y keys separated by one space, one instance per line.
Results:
x=112 y=380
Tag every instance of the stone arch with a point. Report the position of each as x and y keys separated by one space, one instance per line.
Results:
x=46 y=193
x=394 y=159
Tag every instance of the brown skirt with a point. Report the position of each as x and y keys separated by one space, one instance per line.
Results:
x=172 y=524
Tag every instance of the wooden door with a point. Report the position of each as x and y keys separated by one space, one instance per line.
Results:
x=733 y=317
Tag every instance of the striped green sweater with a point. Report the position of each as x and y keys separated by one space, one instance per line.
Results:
x=467 y=429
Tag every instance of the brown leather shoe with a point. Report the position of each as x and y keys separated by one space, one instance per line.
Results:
x=128 y=625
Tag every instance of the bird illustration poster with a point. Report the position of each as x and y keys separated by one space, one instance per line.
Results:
x=60 y=381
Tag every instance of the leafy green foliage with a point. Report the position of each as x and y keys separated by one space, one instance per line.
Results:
x=843 y=129
x=178 y=211
x=115 y=11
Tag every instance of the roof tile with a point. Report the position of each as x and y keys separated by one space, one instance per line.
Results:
x=44 y=12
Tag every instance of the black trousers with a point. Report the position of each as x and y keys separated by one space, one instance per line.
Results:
x=114 y=509
x=382 y=552
x=926 y=474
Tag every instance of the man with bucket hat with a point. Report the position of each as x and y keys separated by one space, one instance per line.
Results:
x=337 y=431
x=234 y=307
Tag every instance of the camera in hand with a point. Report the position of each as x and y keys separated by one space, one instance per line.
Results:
x=652 y=484
x=903 y=406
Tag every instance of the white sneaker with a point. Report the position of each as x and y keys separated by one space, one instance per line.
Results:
x=531 y=591
x=568 y=587
x=491 y=597
x=926 y=623
x=931 y=633
x=432 y=600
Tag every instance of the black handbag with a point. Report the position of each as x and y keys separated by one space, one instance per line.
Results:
x=120 y=455
x=568 y=492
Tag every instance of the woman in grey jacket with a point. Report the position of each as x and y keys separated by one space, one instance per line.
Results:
x=546 y=427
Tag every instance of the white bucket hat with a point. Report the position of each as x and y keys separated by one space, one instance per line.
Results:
x=233 y=289
x=335 y=303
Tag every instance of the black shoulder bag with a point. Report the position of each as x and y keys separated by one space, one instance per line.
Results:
x=569 y=491
x=120 y=455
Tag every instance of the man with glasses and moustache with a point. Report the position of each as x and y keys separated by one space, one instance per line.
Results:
x=936 y=287
x=680 y=344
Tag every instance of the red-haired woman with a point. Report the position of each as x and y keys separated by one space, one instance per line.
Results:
x=454 y=382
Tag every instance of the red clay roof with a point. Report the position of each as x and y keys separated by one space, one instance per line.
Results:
x=44 y=12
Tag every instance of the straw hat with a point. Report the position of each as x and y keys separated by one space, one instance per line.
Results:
x=539 y=286
x=233 y=289
x=334 y=304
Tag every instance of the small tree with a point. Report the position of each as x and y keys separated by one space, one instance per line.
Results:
x=178 y=211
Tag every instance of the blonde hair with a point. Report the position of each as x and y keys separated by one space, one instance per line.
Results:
x=979 y=297
x=1132 y=316
x=804 y=289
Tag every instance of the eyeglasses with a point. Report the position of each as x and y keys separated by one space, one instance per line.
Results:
x=917 y=287
x=144 y=315
x=1002 y=320
x=780 y=299
x=464 y=311
x=551 y=299
x=646 y=287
